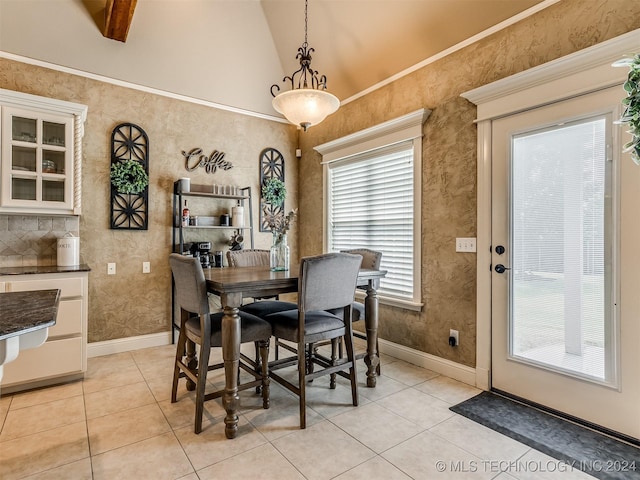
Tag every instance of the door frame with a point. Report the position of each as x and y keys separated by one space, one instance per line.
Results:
x=576 y=74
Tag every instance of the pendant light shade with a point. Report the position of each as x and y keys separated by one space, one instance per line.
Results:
x=306 y=106
x=307 y=103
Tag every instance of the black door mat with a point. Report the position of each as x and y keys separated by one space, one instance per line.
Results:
x=592 y=452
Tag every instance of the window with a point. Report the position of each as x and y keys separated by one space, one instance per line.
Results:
x=372 y=187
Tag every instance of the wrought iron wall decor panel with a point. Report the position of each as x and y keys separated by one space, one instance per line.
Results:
x=130 y=211
x=271 y=166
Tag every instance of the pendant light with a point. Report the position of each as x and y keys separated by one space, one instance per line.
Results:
x=307 y=103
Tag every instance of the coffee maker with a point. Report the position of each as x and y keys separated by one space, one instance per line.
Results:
x=203 y=251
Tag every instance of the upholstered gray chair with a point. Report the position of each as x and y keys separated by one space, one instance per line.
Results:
x=248 y=258
x=198 y=325
x=326 y=282
x=265 y=305
x=371 y=260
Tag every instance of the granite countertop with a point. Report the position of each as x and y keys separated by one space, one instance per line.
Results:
x=43 y=269
x=24 y=312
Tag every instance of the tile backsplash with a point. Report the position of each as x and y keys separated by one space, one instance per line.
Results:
x=27 y=240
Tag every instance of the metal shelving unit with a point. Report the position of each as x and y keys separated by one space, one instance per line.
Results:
x=179 y=229
x=178 y=235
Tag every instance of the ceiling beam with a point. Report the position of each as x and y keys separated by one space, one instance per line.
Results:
x=117 y=18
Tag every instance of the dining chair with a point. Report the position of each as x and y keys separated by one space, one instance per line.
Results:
x=325 y=282
x=248 y=258
x=199 y=325
x=371 y=259
x=261 y=306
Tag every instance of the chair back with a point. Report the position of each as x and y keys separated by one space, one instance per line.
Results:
x=327 y=281
x=248 y=258
x=370 y=259
x=191 y=287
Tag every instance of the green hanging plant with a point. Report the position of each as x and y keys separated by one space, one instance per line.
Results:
x=274 y=192
x=129 y=176
x=631 y=114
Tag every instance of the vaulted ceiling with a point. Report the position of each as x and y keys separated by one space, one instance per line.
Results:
x=231 y=51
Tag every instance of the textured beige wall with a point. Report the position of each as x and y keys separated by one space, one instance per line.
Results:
x=449 y=158
x=130 y=303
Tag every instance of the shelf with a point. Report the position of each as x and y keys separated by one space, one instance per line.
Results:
x=216 y=227
x=206 y=191
x=213 y=195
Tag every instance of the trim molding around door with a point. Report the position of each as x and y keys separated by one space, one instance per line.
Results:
x=581 y=72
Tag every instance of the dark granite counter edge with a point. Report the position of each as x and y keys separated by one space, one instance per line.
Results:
x=24 y=312
x=43 y=269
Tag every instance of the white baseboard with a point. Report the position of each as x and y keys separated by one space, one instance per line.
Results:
x=98 y=349
x=439 y=365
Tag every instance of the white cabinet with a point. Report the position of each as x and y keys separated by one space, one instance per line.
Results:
x=63 y=356
x=41 y=148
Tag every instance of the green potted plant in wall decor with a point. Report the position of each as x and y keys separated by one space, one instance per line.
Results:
x=274 y=192
x=129 y=176
x=631 y=114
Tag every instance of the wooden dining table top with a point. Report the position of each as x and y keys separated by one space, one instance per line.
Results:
x=261 y=280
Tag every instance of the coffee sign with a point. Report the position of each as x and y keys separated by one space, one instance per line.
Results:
x=194 y=159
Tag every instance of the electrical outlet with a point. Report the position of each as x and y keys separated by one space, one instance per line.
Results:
x=466 y=244
x=111 y=268
x=454 y=338
x=146 y=267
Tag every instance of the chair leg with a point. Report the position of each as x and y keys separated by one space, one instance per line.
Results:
x=334 y=360
x=378 y=352
x=302 y=366
x=180 y=347
x=353 y=371
x=203 y=367
x=264 y=353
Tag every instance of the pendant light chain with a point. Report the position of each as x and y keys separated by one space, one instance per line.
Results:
x=307 y=102
x=306 y=22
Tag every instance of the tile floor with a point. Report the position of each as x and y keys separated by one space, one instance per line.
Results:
x=119 y=423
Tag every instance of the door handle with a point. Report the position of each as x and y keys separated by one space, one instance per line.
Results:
x=501 y=268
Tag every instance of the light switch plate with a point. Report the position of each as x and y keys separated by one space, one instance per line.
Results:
x=146 y=267
x=111 y=268
x=465 y=244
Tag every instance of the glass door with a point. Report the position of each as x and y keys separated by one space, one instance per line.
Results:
x=561 y=297
x=562 y=266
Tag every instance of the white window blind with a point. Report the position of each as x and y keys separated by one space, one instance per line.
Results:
x=371 y=205
x=561 y=248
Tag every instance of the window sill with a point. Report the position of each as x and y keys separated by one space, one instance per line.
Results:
x=394 y=302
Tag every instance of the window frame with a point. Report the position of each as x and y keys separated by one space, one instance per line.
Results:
x=402 y=129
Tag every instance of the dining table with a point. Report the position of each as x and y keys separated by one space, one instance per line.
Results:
x=233 y=284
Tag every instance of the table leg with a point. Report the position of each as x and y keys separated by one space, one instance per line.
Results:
x=371 y=325
x=231 y=358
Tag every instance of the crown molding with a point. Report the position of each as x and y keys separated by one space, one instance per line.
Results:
x=142 y=88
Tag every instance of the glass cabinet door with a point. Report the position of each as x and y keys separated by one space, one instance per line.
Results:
x=37 y=159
